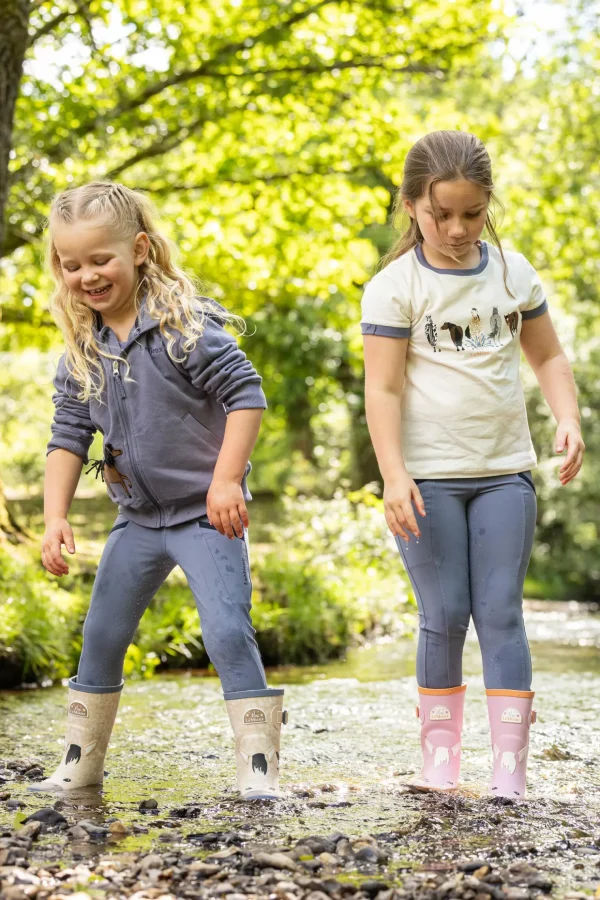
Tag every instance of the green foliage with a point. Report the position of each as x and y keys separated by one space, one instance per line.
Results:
x=40 y=623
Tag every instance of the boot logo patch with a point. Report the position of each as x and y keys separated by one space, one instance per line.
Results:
x=512 y=716
x=438 y=713
x=78 y=709
x=255 y=717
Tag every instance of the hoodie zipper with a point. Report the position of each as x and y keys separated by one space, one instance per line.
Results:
x=125 y=425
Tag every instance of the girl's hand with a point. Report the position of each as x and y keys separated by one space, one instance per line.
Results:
x=568 y=434
x=398 y=498
x=226 y=508
x=58 y=532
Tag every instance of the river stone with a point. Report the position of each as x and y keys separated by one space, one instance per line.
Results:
x=274 y=861
x=316 y=895
x=4 y=795
x=328 y=859
x=516 y=893
x=148 y=804
x=203 y=869
x=151 y=861
x=319 y=844
x=118 y=827
x=15 y=804
x=77 y=833
x=31 y=830
x=344 y=849
x=371 y=854
x=472 y=865
x=48 y=816
x=371 y=888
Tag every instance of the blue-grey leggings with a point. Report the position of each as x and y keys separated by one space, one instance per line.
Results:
x=134 y=564
x=471 y=560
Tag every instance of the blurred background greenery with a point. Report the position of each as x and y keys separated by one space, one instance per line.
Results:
x=271 y=135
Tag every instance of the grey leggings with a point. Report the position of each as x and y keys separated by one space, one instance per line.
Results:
x=134 y=564
x=471 y=560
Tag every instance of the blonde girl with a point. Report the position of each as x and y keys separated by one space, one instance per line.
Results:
x=149 y=364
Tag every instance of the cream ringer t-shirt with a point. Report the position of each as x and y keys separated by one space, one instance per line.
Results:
x=463 y=409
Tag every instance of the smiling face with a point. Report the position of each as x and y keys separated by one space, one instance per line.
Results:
x=99 y=267
x=462 y=209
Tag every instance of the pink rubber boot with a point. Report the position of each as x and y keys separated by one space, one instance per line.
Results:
x=441 y=715
x=510 y=715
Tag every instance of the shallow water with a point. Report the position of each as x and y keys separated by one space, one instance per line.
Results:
x=351 y=744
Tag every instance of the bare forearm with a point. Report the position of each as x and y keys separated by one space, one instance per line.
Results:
x=241 y=432
x=556 y=381
x=383 y=409
x=63 y=470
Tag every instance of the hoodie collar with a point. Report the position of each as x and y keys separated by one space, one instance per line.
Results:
x=143 y=322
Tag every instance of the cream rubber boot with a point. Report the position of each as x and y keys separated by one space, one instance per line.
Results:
x=91 y=714
x=511 y=716
x=256 y=718
x=440 y=713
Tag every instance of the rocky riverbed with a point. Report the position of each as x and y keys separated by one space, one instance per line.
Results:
x=168 y=823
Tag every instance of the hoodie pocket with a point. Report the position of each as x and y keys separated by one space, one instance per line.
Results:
x=203 y=433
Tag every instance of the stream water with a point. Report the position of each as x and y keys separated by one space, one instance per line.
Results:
x=349 y=749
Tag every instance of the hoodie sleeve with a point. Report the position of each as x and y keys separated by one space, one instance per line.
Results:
x=217 y=366
x=72 y=427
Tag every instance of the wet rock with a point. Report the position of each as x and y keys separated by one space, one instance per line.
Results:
x=118 y=828
x=225 y=854
x=31 y=830
x=370 y=853
x=372 y=888
x=140 y=829
x=517 y=893
x=34 y=772
x=274 y=861
x=316 y=895
x=186 y=812
x=47 y=816
x=471 y=865
x=205 y=837
x=77 y=833
x=95 y=831
x=151 y=861
x=329 y=859
x=148 y=804
x=15 y=804
x=541 y=882
x=319 y=844
x=203 y=870
x=4 y=795
x=344 y=850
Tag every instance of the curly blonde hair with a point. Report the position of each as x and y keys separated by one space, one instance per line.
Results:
x=170 y=296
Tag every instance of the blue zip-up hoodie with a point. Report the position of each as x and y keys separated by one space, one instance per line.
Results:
x=163 y=423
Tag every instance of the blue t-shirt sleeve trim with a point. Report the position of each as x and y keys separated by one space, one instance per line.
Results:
x=385 y=330
x=534 y=313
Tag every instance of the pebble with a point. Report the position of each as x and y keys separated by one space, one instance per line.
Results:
x=4 y=795
x=48 y=816
x=372 y=888
x=148 y=804
x=274 y=861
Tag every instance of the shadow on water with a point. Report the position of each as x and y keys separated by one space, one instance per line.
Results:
x=350 y=748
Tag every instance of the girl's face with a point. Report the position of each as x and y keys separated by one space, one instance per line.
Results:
x=99 y=267
x=463 y=207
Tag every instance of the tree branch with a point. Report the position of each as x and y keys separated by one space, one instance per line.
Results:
x=160 y=146
x=51 y=24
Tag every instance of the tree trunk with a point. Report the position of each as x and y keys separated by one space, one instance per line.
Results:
x=14 y=35
x=14 y=19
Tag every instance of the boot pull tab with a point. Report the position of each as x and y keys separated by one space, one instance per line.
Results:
x=417 y=711
x=533 y=717
x=280 y=716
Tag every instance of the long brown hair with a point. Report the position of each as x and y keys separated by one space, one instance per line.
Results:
x=171 y=296
x=442 y=156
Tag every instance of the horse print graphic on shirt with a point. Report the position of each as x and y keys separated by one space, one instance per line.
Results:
x=512 y=320
x=475 y=337
x=431 y=333
x=496 y=326
x=456 y=333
